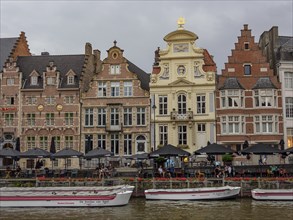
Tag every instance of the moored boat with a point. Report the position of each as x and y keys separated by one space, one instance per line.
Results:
x=65 y=196
x=205 y=193
x=272 y=194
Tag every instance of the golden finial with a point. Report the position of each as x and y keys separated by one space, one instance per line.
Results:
x=181 y=22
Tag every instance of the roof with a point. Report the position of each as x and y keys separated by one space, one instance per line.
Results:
x=141 y=75
x=231 y=83
x=264 y=83
x=63 y=63
x=6 y=46
x=285 y=51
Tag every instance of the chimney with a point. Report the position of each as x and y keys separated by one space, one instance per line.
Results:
x=97 y=54
x=88 y=49
x=245 y=27
x=45 y=53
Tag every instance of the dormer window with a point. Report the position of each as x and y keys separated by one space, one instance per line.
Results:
x=34 y=80
x=70 y=80
x=115 y=69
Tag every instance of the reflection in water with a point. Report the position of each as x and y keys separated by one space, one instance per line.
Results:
x=141 y=209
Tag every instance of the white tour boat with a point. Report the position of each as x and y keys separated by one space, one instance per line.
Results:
x=206 y=193
x=65 y=196
x=272 y=194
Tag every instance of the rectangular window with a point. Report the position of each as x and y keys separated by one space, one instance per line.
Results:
x=69 y=141
x=69 y=118
x=127 y=144
x=114 y=117
x=31 y=142
x=57 y=143
x=201 y=104
x=163 y=134
x=289 y=107
x=50 y=80
x=141 y=116
x=115 y=144
x=49 y=119
x=128 y=89
x=115 y=88
x=34 y=80
x=264 y=97
x=101 y=117
x=31 y=100
x=89 y=117
x=68 y=99
x=127 y=116
x=102 y=89
x=10 y=100
x=288 y=80
x=44 y=142
x=246 y=46
x=9 y=119
x=163 y=105
x=233 y=125
x=265 y=124
x=247 y=69
x=102 y=141
x=182 y=134
x=201 y=127
x=10 y=81
x=115 y=69
x=50 y=100
x=70 y=80
x=31 y=119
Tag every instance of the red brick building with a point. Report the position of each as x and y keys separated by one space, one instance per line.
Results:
x=116 y=107
x=44 y=101
x=10 y=83
x=248 y=97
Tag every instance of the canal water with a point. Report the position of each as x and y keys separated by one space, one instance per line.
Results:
x=139 y=208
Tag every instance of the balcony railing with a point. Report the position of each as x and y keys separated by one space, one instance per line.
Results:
x=175 y=115
x=117 y=128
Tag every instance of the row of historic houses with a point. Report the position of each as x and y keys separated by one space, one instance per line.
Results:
x=84 y=102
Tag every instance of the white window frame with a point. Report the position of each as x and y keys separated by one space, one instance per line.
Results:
x=50 y=119
x=102 y=141
x=115 y=143
x=31 y=142
x=163 y=134
x=70 y=80
x=163 y=104
x=69 y=118
x=68 y=142
x=115 y=69
x=9 y=119
x=51 y=80
x=289 y=107
x=127 y=144
x=141 y=116
x=266 y=124
x=50 y=100
x=102 y=117
x=68 y=99
x=89 y=117
x=288 y=80
x=201 y=127
x=114 y=116
x=201 y=104
x=31 y=100
x=31 y=119
x=264 y=98
x=181 y=100
x=182 y=134
x=115 y=89
x=10 y=81
x=43 y=141
x=127 y=116
x=34 y=80
x=102 y=89
x=128 y=88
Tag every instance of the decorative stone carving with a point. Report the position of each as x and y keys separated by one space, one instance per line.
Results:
x=165 y=74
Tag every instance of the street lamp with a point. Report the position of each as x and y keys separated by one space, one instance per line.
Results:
x=154 y=111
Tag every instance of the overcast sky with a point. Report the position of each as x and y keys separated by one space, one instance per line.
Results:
x=63 y=27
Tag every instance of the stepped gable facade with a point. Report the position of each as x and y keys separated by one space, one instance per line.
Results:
x=115 y=108
x=48 y=102
x=248 y=97
x=182 y=90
